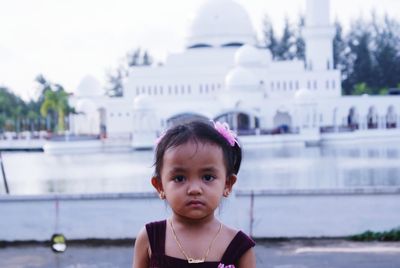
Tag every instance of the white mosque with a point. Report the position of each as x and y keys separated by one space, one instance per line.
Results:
x=223 y=75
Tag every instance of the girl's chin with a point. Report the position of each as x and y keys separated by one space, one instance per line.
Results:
x=196 y=215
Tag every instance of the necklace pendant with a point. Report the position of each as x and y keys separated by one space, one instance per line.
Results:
x=191 y=260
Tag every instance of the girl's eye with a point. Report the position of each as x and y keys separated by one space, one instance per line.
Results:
x=208 y=178
x=179 y=178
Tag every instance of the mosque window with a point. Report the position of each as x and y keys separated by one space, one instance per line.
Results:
x=119 y=114
x=297 y=85
x=327 y=84
x=315 y=84
x=143 y=90
x=272 y=86
x=137 y=90
x=206 y=89
x=155 y=90
x=278 y=85
x=333 y=84
x=234 y=44
x=128 y=114
x=284 y=85
x=169 y=90
x=200 y=46
x=290 y=85
x=176 y=90
x=149 y=90
x=189 y=89
x=182 y=89
x=308 y=84
x=218 y=85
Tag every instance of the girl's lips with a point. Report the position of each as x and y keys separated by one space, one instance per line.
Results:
x=195 y=203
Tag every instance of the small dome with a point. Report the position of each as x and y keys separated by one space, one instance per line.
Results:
x=89 y=87
x=303 y=94
x=142 y=102
x=248 y=55
x=240 y=78
x=220 y=23
x=86 y=106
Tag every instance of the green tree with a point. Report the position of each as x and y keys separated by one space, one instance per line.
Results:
x=300 y=43
x=115 y=78
x=56 y=100
x=269 y=38
x=339 y=47
x=115 y=82
x=387 y=52
x=361 y=88
x=12 y=109
x=287 y=44
x=360 y=66
x=53 y=103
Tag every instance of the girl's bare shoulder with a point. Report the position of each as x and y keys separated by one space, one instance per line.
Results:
x=228 y=233
x=142 y=250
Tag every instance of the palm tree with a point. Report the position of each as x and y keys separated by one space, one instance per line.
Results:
x=55 y=100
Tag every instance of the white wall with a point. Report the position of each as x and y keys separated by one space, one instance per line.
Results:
x=276 y=214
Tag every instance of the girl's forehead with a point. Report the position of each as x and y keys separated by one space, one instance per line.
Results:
x=192 y=148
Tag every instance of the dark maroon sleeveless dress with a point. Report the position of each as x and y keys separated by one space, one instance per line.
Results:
x=156 y=233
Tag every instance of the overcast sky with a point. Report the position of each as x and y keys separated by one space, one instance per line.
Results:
x=67 y=39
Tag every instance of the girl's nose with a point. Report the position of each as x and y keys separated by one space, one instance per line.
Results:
x=194 y=188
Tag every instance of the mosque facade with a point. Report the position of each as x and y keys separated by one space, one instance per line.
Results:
x=223 y=75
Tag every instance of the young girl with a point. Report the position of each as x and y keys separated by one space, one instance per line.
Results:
x=196 y=164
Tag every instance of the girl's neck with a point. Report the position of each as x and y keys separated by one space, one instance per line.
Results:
x=195 y=223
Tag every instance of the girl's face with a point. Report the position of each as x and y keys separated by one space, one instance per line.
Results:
x=193 y=178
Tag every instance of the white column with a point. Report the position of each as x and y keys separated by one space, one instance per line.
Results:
x=318 y=35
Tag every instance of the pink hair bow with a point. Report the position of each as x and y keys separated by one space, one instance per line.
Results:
x=221 y=265
x=158 y=140
x=229 y=135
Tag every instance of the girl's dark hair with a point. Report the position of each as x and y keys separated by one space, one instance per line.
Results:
x=198 y=131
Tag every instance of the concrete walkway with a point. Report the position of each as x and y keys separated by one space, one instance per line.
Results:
x=288 y=254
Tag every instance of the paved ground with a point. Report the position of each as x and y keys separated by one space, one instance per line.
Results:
x=287 y=254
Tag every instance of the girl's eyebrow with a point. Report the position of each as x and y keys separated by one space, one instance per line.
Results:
x=210 y=169
x=182 y=169
x=177 y=169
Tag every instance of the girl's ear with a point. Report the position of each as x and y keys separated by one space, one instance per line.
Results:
x=156 y=182
x=230 y=181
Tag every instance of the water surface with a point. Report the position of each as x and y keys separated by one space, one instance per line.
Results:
x=360 y=165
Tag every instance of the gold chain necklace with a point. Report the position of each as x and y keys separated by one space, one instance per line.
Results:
x=189 y=259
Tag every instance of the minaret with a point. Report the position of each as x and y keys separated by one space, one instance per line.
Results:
x=318 y=36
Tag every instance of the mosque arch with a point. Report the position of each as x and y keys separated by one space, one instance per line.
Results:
x=352 y=118
x=391 y=117
x=243 y=122
x=184 y=118
x=372 y=118
x=103 y=122
x=282 y=122
x=335 y=118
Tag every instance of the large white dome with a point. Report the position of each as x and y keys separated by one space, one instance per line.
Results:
x=241 y=79
x=142 y=102
x=303 y=94
x=89 y=87
x=86 y=106
x=250 y=56
x=220 y=23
